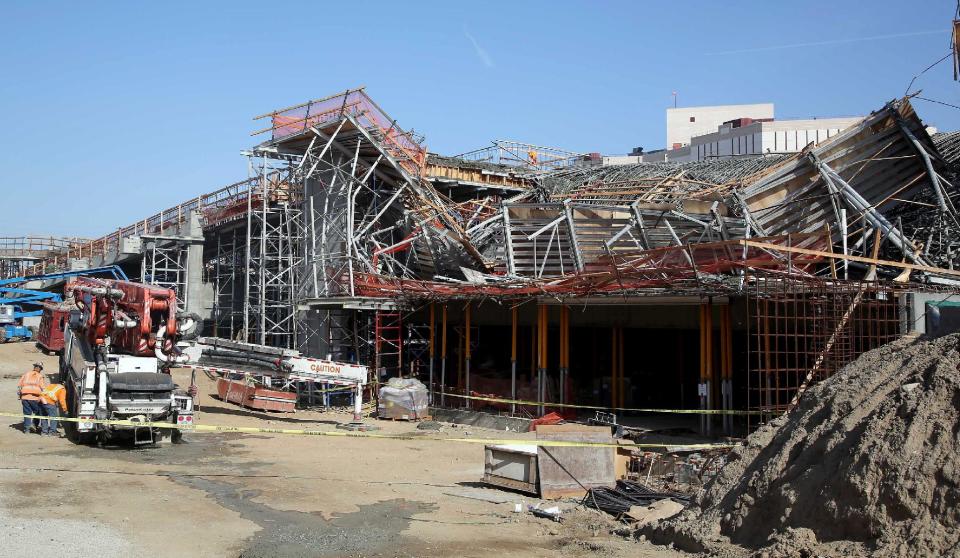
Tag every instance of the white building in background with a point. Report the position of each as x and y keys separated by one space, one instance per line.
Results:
x=734 y=136
x=684 y=123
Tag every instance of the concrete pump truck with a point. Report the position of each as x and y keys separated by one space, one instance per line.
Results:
x=118 y=350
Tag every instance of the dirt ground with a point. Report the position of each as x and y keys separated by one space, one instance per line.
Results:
x=230 y=495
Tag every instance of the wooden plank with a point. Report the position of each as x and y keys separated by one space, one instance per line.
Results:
x=861 y=259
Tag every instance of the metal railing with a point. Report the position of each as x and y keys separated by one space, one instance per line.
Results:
x=406 y=147
x=524 y=155
x=34 y=247
x=215 y=207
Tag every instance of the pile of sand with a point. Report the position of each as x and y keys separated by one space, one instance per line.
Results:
x=867 y=464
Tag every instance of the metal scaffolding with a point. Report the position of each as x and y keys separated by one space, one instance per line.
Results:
x=274 y=255
x=227 y=269
x=803 y=332
x=164 y=264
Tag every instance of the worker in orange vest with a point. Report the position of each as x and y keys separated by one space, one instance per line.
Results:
x=54 y=399
x=29 y=389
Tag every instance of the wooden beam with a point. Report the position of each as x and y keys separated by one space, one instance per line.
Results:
x=861 y=259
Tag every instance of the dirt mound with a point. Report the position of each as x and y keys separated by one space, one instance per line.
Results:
x=866 y=464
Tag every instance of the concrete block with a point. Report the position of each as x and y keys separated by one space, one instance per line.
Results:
x=131 y=245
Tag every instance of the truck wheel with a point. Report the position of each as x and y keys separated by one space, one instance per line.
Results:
x=79 y=438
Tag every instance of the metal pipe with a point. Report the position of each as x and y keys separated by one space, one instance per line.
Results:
x=358 y=403
x=613 y=366
x=433 y=356
x=443 y=355
x=564 y=351
x=934 y=181
x=541 y=355
x=548 y=226
x=513 y=359
x=621 y=400
x=466 y=352
x=854 y=198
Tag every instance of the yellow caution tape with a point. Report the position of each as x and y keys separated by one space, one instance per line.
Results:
x=571 y=406
x=345 y=434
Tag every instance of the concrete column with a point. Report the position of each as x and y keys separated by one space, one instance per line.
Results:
x=200 y=296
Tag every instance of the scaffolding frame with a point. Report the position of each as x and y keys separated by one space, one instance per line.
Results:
x=801 y=332
x=227 y=268
x=164 y=264
x=274 y=255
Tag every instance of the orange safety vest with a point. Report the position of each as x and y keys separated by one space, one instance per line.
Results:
x=54 y=394
x=31 y=385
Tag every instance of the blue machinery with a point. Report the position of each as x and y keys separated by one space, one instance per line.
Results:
x=13 y=298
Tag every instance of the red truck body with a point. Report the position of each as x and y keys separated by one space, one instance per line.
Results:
x=53 y=322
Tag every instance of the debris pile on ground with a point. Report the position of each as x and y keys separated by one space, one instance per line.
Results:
x=866 y=464
x=626 y=496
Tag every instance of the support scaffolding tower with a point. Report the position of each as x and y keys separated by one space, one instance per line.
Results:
x=274 y=256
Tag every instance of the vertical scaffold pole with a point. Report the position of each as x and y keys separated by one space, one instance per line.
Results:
x=542 y=354
x=466 y=352
x=706 y=363
x=433 y=343
x=726 y=366
x=513 y=359
x=621 y=392
x=443 y=355
x=613 y=366
x=564 y=351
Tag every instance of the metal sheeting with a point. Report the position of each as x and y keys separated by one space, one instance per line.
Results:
x=874 y=168
x=874 y=157
x=683 y=178
x=545 y=242
x=948 y=146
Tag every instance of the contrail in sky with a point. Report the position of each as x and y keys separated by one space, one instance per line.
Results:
x=830 y=42
x=482 y=54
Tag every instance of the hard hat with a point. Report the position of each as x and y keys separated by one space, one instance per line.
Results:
x=38 y=365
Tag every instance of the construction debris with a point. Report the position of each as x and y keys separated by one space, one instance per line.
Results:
x=865 y=465
x=661 y=509
x=252 y=396
x=629 y=498
x=570 y=471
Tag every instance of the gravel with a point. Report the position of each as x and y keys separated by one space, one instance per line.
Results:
x=46 y=537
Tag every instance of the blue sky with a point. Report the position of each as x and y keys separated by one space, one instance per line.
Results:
x=110 y=112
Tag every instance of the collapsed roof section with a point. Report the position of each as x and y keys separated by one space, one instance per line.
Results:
x=384 y=219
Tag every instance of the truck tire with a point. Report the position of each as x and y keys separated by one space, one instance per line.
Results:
x=70 y=427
